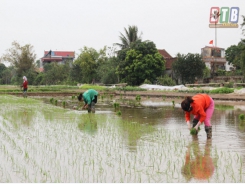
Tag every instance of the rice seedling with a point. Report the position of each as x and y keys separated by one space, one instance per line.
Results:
x=111 y=96
x=138 y=98
x=51 y=100
x=116 y=105
x=102 y=98
x=193 y=131
x=64 y=104
x=242 y=117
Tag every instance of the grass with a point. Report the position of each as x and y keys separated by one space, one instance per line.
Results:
x=78 y=89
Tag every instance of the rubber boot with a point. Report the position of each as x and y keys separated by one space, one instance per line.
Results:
x=208 y=130
x=93 y=107
x=194 y=123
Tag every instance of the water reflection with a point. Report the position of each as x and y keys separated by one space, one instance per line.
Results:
x=241 y=126
x=88 y=124
x=198 y=164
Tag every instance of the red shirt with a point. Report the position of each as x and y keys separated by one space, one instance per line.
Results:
x=199 y=106
x=25 y=83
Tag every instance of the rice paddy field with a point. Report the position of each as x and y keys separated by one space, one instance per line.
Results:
x=53 y=140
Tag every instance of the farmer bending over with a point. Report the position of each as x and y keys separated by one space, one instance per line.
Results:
x=90 y=99
x=202 y=107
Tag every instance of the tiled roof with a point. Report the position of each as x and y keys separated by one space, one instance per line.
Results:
x=61 y=53
x=165 y=54
x=168 y=58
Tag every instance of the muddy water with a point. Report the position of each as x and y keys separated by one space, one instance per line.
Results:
x=148 y=142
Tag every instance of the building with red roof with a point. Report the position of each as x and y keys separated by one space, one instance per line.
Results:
x=60 y=57
x=169 y=60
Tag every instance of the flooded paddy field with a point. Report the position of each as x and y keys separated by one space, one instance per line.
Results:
x=44 y=140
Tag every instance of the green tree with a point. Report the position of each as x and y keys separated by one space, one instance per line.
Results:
x=21 y=57
x=3 y=68
x=233 y=55
x=75 y=74
x=39 y=80
x=188 y=67
x=55 y=74
x=206 y=72
x=131 y=36
x=243 y=24
x=38 y=63
x=142 y=61
x=89 y=60
x=107 y=71
x=6 y=76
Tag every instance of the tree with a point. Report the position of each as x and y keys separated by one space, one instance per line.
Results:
x=243 y=24
x=75 y=74
x=6 y=76
x=188 y=67
x=21 y=57
x=233 y=55
x=142 y=61
x=89 y=60
x=55 y=74
x=131 y=36
x=107 y=71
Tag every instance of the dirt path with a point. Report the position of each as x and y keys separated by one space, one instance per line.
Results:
x=232 y=98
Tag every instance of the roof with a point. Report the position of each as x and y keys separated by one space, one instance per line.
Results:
x=212 y=47
x=165 y=54
x=168 y=58
x=60 y=53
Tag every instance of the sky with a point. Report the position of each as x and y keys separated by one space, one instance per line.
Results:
x=178 y=26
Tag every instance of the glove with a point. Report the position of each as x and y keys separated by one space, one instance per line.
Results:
x=189 y=125
x=198 y=124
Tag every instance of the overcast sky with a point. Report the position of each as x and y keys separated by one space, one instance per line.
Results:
x=178 y=26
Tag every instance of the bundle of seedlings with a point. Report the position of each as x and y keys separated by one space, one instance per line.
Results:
x=193 y=131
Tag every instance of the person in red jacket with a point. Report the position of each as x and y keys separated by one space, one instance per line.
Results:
x=202 y=107
x=25 y=86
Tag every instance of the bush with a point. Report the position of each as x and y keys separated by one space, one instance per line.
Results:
x=222 y=90
x=229 y=85
x=165 y=81
x=147 y=82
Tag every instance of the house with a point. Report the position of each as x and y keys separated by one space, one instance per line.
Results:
x=169 y=60
x=60 y=57
x=214 y=58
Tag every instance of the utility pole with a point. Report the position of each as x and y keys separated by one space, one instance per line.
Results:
x=216 y=16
